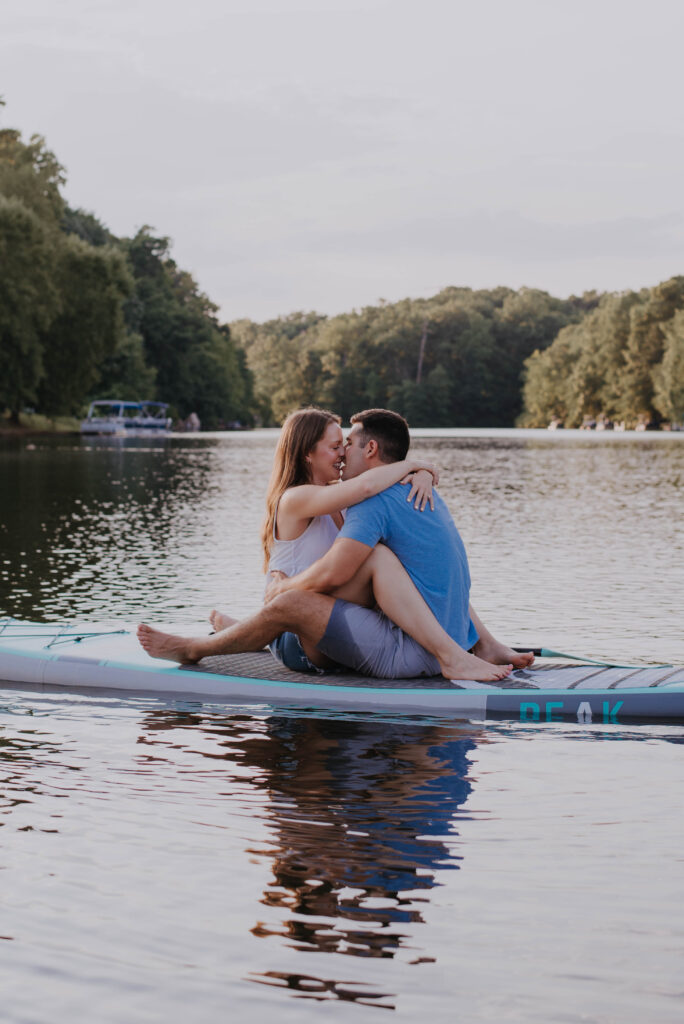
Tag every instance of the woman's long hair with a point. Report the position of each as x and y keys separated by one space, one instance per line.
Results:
x=301 y=432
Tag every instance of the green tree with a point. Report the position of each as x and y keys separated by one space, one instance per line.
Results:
x=646 y=343
x=287 y=368
x=89 y=328
x=31 y=173
x=612 y=363
x=124 y=371
x=86 y=226
x=195 y=358
x=527 y=321
x=31 y=206
x=29 y=301
x=668 y=375
x=547 y=390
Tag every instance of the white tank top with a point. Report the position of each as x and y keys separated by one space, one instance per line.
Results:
x=293 y=556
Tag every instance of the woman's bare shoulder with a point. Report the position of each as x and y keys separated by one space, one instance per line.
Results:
x=294 y=496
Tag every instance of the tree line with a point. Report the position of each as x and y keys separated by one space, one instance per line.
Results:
x=466 y=358
x=623 y=362
x=85 y=315
x=455 y=359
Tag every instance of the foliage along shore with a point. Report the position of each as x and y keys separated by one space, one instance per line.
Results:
x=33 y=424
x=483 y=358
x=85 y=315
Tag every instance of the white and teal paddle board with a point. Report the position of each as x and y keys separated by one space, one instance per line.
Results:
x=95 y=658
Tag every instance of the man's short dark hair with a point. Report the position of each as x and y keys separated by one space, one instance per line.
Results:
x=388 y=429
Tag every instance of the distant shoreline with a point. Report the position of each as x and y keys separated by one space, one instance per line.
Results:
x=35 y=424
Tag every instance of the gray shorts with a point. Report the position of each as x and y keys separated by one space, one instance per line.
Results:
x=369 y=642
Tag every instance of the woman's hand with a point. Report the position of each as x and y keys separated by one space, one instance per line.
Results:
x=420 y=464
x=421 y=488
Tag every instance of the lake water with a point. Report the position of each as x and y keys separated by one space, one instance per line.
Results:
x=166 y=861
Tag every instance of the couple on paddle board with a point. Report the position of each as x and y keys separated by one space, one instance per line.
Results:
x=366 y=569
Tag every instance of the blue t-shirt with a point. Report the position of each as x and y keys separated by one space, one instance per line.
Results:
x=430 y=548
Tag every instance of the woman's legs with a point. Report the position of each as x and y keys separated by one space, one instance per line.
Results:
x=383 y=579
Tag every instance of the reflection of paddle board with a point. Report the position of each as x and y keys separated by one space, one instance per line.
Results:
x=99 y=658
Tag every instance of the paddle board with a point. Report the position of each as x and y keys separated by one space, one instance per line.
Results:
x=101 y=657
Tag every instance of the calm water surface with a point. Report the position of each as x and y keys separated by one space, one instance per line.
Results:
x=162 y=861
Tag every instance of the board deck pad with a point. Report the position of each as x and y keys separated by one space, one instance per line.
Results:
x=570 y=676
x=262 y=665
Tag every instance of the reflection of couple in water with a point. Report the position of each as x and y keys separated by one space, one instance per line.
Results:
x=369 y=574
x=360 y=823
x=363 y=828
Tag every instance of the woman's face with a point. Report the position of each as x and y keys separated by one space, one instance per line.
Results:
x=325 y=461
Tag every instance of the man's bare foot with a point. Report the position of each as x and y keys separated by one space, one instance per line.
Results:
x=220 y=621
x=167 y=646
x=491 y=650
x=467 y=666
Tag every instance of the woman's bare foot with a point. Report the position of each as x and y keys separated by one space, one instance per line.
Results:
x=499 y=654
x=168 y=646
x=220 y=621
x=461 y=665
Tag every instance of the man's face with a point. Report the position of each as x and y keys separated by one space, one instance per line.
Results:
x=354 y=459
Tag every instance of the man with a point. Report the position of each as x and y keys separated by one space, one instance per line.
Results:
x=432 y=553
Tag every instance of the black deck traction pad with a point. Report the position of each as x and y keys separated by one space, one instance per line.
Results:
x=262 y=665
x=562 y=676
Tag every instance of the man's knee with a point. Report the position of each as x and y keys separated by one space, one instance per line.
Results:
x=301 y=611
x=282 y=605
x=293 y=605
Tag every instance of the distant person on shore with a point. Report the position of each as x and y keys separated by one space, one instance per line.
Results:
x=326 y=581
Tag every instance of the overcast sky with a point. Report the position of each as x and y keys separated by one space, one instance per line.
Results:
x=323 y=154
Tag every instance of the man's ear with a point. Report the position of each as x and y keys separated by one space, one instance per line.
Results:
x=371 y=449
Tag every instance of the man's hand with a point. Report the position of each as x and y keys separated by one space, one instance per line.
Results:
x=335 y=568
x=275 y=586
